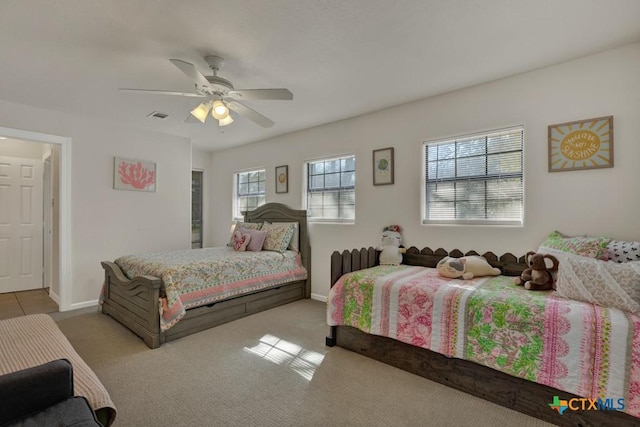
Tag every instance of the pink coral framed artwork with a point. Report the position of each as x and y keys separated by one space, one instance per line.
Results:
x=133 y=174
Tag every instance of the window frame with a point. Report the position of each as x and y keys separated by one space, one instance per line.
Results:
x=306 y=190
x=236 y=195
x=476 y=221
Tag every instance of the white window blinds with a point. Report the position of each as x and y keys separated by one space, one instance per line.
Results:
x=250 y=191
x=331 y=189
x=475 y=179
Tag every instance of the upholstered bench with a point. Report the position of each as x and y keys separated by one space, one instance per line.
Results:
x=34 y=340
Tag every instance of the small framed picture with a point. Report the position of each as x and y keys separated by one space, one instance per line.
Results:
x=383 y=166
x=134 y=174
x=584 y=144
x=282 y=179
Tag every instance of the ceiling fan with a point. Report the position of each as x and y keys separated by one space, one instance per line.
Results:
x=222 y=96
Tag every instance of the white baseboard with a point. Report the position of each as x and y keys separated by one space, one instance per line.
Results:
x=319 y=297
x=54 y=297
x=85 y=304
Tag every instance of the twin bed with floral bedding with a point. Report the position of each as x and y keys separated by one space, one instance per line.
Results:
x=193 y=278
x=162 y=296
x=580 y=341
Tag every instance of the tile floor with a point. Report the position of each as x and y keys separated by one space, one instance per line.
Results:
x=16 y=304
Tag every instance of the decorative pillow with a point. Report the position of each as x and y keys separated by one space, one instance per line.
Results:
x=592 y=247
x=294 y=244
x=246 y=225
x=621 y=251
x=607 y=284
x=240 y=241
x=257 y=239
x=278 y=237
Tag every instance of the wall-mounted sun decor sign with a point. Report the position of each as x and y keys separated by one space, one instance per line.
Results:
x=585 y=144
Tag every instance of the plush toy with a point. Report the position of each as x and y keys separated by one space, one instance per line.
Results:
x=466 y=267
x=541 y=274
x=390 y=246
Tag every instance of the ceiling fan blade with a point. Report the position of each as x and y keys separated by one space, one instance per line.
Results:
x=250 y=114
x=191 y=72
x=250 y=94
x=161 y=92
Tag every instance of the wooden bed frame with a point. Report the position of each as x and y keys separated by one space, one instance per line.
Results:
x=515 y=393
x=134 y=302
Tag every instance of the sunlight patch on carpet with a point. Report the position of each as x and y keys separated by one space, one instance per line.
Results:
x=285 y=353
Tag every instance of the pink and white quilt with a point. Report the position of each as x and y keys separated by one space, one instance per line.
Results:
x=580 y=348
x=196 y=277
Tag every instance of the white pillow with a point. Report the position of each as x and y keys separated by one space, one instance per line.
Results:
x=623 y=251
x=608 y=284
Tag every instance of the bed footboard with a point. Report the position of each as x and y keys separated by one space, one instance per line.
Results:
x=345 y=262
x=134 y=303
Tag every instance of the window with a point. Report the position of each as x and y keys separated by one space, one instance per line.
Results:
x=249 y=191
x=475 y=179
x=196 y=209
x=331 y=189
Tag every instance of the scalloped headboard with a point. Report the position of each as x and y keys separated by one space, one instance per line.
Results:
x=358 y=259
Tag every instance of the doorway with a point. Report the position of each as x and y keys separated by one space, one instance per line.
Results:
x=196 y=209
x=60 y=271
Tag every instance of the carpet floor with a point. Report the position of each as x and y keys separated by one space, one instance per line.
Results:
x=268 y=369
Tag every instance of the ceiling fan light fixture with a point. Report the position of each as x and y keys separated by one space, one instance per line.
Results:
x=201 y=111
x=219 y=111
x=219 y=95
x=226 y=121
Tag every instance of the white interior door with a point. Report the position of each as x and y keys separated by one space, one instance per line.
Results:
x=20 y=224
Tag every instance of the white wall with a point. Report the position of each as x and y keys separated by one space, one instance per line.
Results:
x=24 y=149
x=595 y=202
x=107 y=223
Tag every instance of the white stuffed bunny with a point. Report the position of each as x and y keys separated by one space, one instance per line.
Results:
x=390 y=246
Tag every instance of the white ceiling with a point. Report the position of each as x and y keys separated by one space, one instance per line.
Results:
x=340 y=58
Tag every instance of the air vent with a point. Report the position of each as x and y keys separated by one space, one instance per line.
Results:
x=158 y=115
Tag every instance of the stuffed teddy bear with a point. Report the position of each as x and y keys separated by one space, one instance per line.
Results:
x=466 y=267
x=541 y=274
x=390 y=246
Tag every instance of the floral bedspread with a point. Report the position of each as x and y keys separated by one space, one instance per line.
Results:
x=198 y=277
x=580 y=348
